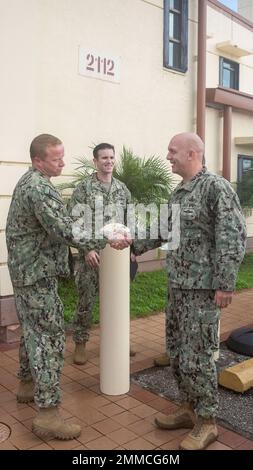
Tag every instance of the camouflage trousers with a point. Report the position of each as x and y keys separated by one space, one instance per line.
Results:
x=87 y=283
x=192 y=338
x=41 y=352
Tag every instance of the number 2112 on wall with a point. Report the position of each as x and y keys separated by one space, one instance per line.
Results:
x=99 y=65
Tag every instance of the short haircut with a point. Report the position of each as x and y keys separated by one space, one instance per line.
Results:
x=38 y=147
x=102 y=147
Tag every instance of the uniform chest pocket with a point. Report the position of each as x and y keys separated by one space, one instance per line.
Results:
x=190 y=211
x=189 y=221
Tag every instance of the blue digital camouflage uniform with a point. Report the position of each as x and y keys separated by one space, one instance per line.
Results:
x=207 y=259
x=115 y=198
x=37 y=233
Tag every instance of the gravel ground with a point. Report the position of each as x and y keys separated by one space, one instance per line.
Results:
x=235 y=409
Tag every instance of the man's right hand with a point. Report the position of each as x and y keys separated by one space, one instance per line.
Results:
x=223 y=298
x=121 y=242
x=92 y=259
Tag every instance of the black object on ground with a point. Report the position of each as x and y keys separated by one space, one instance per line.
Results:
x=133 y=269
x=235 y=409
x=241 y=341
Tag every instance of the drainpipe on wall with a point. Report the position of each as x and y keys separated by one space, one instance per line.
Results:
x=227 y=127
x=201 y=73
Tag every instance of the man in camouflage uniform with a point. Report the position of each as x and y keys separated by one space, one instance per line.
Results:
x=38 y=231
x=202 y=274
x=113 y=197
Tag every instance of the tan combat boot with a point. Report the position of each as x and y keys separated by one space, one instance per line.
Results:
x=184 y=417
x=80 y=354
x=25 y=392
x=162 y=361
x=204 y=433
x=49 y=424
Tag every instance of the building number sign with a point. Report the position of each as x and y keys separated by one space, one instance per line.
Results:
x=99 y=65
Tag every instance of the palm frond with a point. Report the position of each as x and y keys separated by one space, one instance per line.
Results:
x=68 y=185
x=149 y=180
x=85 y=169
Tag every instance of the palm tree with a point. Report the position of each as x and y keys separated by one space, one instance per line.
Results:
x=148 y=180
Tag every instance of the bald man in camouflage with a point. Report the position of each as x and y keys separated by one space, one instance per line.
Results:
x=202 y=273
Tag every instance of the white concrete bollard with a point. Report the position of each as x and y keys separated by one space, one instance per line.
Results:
x=114 y=284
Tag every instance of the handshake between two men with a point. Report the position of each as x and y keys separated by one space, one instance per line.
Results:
x=118 y=236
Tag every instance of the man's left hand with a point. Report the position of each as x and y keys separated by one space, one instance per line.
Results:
x=223 y=298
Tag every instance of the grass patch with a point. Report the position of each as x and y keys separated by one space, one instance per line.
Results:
x=68 y=293
x=147 y=295
x=245 y=275
x=148 y=291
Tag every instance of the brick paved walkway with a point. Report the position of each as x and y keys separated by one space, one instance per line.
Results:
x=112 y=422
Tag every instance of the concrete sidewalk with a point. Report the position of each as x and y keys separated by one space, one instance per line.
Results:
x=111 y=422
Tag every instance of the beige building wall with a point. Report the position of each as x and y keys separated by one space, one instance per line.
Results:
x=221 y=28
x=245 y=8
x=41 y=89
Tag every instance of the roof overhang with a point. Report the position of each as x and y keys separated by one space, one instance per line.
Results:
x=220 y=97
x=234 y=48
x=246 y=141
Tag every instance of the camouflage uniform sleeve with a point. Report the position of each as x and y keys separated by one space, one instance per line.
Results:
x=139 y=247
x=128 y=201
x=128 y=195
x=78 y=211
x=51 y=212
x=230 y=237
x=78 y=197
